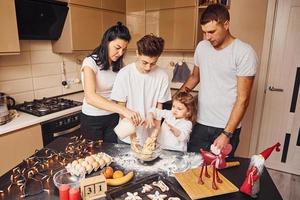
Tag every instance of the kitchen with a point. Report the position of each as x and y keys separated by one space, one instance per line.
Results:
x=37 y=68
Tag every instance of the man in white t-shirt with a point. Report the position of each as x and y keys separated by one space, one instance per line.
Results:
x=225 y=68
x=142 y=85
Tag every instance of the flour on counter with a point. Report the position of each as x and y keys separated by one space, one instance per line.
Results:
x=167 y=162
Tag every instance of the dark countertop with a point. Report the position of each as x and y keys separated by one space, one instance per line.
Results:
x=236 y=175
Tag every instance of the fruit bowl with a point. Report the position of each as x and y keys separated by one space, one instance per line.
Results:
x=148 y=156
x=63 y=177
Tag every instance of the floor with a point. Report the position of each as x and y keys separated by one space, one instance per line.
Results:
x=287 y=184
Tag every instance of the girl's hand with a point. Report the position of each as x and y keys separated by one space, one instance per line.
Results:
x=135 y=117
x=149 y=122
x=174 y=130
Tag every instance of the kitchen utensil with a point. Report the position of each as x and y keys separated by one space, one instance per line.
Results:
x=6 y=102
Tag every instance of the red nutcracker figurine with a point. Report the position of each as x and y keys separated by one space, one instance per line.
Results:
x=250 y=185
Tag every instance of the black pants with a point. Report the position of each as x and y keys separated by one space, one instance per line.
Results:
x=99 y=127
x=203 y=136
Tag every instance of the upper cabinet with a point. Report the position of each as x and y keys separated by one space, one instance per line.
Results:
x=135 y=20
x=115 y=5
x=165 y=4
x=176 y=26
x=86 y=23
x=9 y=39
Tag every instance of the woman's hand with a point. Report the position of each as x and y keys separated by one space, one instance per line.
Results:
x=135 y=117
x=149 y=122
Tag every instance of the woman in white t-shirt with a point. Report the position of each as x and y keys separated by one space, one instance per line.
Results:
x=174 y=133
x=98 y=72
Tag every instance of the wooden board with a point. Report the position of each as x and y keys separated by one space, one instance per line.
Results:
x=189 y=181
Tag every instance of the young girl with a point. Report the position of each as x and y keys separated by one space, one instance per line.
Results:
x=177 y=126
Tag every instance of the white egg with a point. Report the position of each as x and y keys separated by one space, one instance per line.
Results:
x=90 y=159
x=89 y=168
x=75 y=162
x=95 y=165
x=84 y=163
x=101 y=162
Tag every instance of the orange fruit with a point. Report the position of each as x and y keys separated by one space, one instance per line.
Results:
x=118 y=174
x=108 y=172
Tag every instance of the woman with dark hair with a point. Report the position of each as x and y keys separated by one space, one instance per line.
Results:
x=98 y=72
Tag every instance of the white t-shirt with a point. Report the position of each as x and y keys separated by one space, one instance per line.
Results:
x=104 y=83
x=141 y=92
x=219 y=70
x=166 y=138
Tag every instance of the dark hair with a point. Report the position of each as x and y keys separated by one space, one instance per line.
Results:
x=150 y=45
x=215 y=12
x=188 y=100
x=100 y=54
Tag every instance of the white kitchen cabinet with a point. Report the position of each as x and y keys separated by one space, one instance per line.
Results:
x=9 y=38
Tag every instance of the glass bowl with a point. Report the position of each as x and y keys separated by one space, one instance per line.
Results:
x=63 y=177
x=148 y=157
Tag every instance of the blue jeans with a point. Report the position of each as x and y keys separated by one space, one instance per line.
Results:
x=203 y=136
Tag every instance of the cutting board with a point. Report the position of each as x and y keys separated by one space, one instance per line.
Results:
x=189 y=181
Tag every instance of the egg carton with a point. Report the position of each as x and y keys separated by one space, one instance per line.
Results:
x=88 y=164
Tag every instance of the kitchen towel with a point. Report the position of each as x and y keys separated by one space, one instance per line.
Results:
x=181 y=72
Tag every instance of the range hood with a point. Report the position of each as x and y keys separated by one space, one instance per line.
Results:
x=40 y=19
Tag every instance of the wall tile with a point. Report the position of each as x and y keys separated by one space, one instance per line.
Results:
x=45 y=69
x=72 y=88
x=13 y=60
x=23 y=96
x=47 y=82
x=40 y=45
x=44 y=56
x=48 y=92
x=15 y=72
x=71 y=67
x=16 y=86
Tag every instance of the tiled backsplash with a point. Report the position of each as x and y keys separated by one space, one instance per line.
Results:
x=37 y=72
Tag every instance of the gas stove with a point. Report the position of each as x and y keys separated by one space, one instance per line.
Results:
x=45 y=106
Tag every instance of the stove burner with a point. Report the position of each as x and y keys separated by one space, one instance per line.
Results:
x=41 y=107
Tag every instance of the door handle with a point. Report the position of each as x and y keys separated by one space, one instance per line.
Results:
x=274 y=89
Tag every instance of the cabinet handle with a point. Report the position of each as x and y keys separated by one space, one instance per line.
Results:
x=274 y=89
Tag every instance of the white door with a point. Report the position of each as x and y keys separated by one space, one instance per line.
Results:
x=281 y=112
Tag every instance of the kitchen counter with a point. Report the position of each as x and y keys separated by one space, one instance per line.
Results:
x=236 y=175
x=25 y=120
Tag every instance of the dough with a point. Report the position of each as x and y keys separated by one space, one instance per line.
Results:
x=162 y=186
x=157 y=196
x=132 y=196
x=146 y=188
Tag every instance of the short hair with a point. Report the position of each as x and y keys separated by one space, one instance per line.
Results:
x=150 y=45
x=189 y=102
x=215 y=12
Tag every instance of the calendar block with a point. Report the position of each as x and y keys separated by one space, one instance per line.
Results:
x=93 y=187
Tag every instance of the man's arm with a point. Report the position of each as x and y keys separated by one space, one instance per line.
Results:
x=244 y=86
x=191 y=82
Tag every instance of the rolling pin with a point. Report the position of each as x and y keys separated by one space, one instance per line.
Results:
x=232 y=164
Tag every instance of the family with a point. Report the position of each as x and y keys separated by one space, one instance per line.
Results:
x=224 y=66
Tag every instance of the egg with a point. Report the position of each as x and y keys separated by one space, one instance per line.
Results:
x=84 y=163
x=75 y=162
x=80 y=160
x=89 y=159
x=95 y=165
x=101 y=162
x=89 y=168
x=107 y=159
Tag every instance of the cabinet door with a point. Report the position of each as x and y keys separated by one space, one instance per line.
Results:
x=163 y=4
x=115 y=5
x=176 y=26
x=18 y=145
x=133 y=6
x=90 y=3
x=9 y=39
x=111 y=18
x=86 y=27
